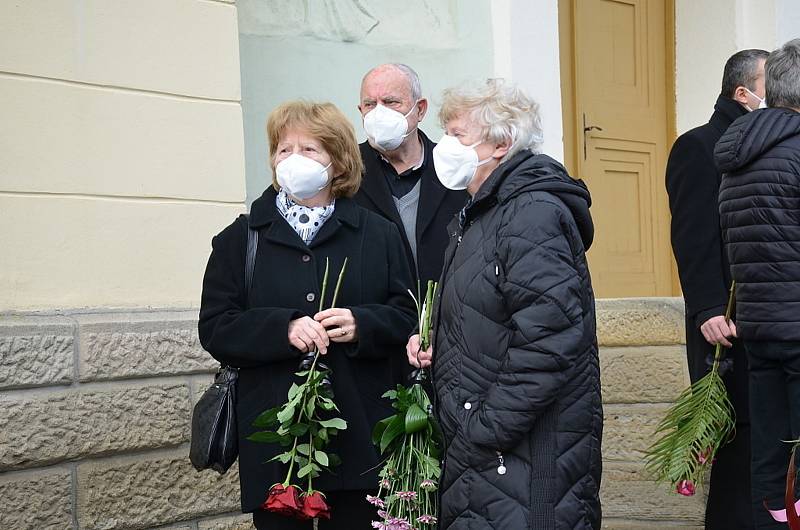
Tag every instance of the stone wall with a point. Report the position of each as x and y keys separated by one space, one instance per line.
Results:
x=95 y=415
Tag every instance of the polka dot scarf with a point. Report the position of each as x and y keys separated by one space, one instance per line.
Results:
x=304 y=220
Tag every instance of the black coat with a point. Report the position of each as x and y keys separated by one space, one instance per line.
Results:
x=516 y=369
x=759 y=205
x=437 y=206
x=693 y=182
x=693 y=187
x=286 y=285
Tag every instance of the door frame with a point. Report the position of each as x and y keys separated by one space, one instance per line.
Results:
x=569 y=105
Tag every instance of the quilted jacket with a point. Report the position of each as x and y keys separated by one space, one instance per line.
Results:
x=515 y=356
x=759 y=205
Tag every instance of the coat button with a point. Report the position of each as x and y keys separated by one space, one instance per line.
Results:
x=310 y=297
x=306 y=258
x=467 y=405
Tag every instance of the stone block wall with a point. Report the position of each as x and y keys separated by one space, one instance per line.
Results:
x=95 y=411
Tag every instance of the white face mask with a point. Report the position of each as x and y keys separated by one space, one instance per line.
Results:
x=300 y=176
x=456 y=163
x=762 y=102
x=387 y=128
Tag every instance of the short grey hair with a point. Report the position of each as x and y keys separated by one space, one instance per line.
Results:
x=502 y=110
x=413 y=79
x=782 y=76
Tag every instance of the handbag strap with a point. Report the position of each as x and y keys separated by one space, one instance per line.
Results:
x=249 y=267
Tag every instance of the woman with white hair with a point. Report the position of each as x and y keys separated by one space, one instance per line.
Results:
x=515 y=365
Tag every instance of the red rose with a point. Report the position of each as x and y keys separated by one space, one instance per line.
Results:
x=283 y=500
x=314 y=506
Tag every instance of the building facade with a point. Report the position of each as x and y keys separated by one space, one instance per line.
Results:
x=132 y=132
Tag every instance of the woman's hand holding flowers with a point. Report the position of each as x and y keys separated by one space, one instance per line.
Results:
x=416 y=356
x=339 y=324
x=306 y=334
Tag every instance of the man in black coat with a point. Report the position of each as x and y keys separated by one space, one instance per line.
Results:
x=693 y=184
x=759 y=205
x=399 y=179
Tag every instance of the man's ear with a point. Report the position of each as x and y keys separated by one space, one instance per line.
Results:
x=422 y=105
x=740 y=95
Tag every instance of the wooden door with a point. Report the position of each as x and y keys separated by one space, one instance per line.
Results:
x=616 y=141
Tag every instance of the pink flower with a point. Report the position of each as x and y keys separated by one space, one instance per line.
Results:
x=407 y=495
x=379 y=525
x=428 y=485
x=384 y=483
x=383 y=514
x=426 y=519
x=397 y=523
x=703 y=457
x=376 y=501
x=685 y=488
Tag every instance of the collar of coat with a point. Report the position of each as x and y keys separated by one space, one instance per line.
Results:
x=726 y=111
x=263 y=212
x=527 y=171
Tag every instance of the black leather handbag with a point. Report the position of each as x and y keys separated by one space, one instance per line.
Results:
x=215 y=436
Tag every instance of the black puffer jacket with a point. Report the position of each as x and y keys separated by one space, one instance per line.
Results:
x=759 y=205
x=515 y=358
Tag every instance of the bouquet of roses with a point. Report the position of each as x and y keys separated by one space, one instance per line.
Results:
x=697 y=425
x=407 y=494
x=299 y=424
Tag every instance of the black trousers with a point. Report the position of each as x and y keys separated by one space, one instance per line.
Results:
x=728 y=506
x=349 y=511
x=775 y=417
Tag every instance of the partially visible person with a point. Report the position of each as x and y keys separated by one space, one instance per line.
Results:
x=304 y=218
x=759 y=205
x=693 y=187
x=400 y=180
x=515 y=350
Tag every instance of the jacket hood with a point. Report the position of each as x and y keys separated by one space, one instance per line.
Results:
x=526 y=172
x=752 y=135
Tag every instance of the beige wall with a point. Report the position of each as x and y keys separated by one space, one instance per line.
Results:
x=122 y=149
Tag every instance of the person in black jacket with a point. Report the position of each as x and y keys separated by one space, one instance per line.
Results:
x=515 y=363
x=304 y=218
x=399 y=178
x=759 y=206
x=693 y=186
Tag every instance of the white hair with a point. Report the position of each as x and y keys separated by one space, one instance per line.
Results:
x=502 y=110
x=414 y=85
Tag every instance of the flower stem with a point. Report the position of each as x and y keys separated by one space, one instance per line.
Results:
x=291 y=464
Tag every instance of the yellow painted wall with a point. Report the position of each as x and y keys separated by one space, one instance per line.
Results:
x=121 y=149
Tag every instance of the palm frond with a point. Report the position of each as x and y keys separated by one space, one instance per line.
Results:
x=700 y=422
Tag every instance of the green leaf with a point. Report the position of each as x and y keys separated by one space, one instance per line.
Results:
x=267 y=418
x=267 y=437
x=303 y=449
x=334 y=460
x=377 y=431
x=305 y=470
x=322 y=434
x=391 y=394
x=294 y=390
x=286 y=413
x=416 y=419
x=283 y=458
x=298 y=429
x=310 y=408
x=334 y=423
x=321 y=457
x=301 y=374
x=395 y=428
